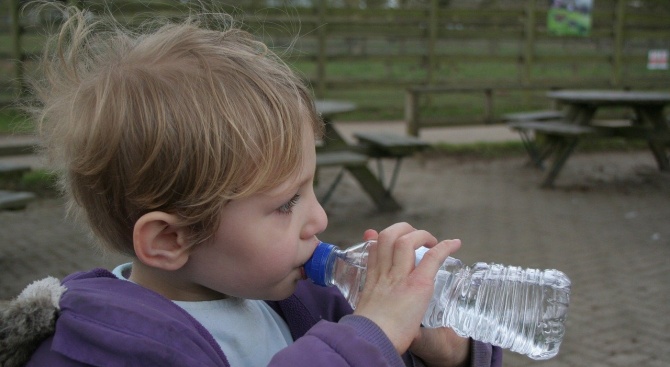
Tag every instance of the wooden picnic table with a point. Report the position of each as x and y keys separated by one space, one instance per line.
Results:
x=336 y=151
x=649 y=123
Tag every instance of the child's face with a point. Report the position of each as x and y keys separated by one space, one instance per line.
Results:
x=262 y=240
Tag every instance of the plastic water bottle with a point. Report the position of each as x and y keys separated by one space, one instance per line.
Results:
x=523 y=310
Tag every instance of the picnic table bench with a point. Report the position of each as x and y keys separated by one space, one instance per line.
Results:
x=346 y=159
x=334 y=150
x=544 y=115
x=10 y=146
x=387 y=145
x=393 y=146
x=559 y=137
x=14 y=200
x=9 y=169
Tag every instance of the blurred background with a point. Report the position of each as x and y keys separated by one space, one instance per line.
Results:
x=468 y=61
x=461 y=64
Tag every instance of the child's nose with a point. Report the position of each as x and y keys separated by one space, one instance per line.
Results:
x=317 y=220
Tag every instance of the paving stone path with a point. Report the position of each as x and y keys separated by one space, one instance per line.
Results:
x=606 y=225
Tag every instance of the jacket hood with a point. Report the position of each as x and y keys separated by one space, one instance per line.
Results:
x=28 y=319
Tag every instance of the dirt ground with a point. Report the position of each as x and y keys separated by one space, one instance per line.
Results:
x=606 y=225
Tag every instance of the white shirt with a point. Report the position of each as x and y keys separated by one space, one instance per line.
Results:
x=248 y=331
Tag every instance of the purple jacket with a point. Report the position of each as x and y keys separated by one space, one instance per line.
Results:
x=104 y=321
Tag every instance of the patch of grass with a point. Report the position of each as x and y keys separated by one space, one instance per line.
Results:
x=13 y=121
x=373 y=103
x=40 y=182
x=610 y=144
x=480 y=150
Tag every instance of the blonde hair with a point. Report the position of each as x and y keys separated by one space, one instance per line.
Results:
x=180 y=119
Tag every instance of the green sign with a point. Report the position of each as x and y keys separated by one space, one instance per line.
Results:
x=569 y=17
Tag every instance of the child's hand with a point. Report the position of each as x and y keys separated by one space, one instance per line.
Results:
x=441 y=347
x=396 y=293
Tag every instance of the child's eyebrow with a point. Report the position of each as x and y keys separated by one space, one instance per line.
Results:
x=283 y=188
x=295 y=183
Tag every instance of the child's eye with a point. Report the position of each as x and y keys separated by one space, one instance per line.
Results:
x=288 y=207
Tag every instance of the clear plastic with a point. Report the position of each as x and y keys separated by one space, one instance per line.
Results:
x=523 y=310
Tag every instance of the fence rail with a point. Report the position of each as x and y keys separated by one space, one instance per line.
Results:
x=344 y=51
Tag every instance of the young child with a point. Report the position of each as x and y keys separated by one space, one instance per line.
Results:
x=193 y=151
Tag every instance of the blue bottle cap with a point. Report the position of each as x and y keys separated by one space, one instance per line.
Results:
x=315 y=267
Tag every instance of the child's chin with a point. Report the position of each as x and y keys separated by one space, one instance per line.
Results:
x=284 y=292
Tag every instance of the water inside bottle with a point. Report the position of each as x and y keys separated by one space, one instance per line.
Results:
x=522 y=310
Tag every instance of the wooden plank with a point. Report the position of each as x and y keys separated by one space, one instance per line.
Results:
x=553 y=59
x=449 y=121
x=553 y=127
x=390 y=145
x=534 y=116
x=17 y=149
x=479 y=88
x=13 y=169
x=15 y=200
x=389 y=141
x=340 y=158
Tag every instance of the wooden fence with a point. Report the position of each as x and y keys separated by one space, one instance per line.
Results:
x=372 y=56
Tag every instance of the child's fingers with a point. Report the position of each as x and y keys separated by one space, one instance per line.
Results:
x=435 y=257
x=372 y=258
x=387 y=241
x=396 y=291
x=404 y=257
x=370 y=234
x=397 y=245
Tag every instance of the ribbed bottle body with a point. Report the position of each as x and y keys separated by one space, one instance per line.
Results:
x=523 y=310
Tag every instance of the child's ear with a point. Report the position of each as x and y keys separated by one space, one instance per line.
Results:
x=159 y=242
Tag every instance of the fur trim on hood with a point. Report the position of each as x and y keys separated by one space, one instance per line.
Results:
x=27 y=320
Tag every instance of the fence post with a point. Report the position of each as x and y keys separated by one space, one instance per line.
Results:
x=321 y=56
x=17 y=54
x=529 y=35
x=412 y=112
x=529 y=49
x=488 y=106
x=432 y=40
x=619 y=17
